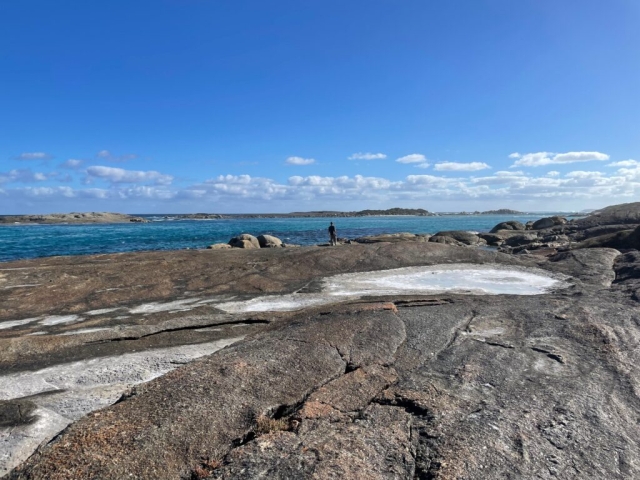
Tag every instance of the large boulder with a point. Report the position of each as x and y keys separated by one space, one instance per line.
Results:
x=467 y=238
x=510 y=225
x=519 y=240
x=269 y=241
x=244 y=241
x=548 y=222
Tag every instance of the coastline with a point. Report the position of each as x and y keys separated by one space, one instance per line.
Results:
x=88 y=218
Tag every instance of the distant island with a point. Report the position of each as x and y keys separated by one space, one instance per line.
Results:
x=74 y=217
x=106 y=217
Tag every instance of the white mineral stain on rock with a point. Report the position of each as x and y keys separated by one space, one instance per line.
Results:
x=84 y=330
x=59 y=319
x=102 y=311
x=17 y=323
x=155 y=307
x=75 y=389
x=459 y=278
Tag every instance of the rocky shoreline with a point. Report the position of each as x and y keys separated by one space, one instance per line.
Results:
x=286 y=363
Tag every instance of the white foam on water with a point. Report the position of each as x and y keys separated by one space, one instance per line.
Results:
x=75 y=389
x=458 y=278
x=17 y=323
x=59 y=319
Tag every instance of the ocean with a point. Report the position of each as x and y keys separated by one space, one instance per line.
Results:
x=32 y=241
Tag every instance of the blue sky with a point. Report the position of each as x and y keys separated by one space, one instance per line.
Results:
x=276 y=106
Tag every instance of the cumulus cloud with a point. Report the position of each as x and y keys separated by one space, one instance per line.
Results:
x=412 y=158
x=33 y=156
x=367 y=156
x=299 y=161
x=234 y=192
x=460 y=167
x=72 y=163
x=515 y=155
x=107 y=155
x=547 y=158
x=423 y=165
x=119 y=175
x=553 y=173
x=22 y=175
x=624 y=163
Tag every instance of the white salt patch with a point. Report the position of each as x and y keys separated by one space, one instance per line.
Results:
x=84 y=330
x=275 y=303
x=36 y=333
x=58 y=319
x=459 y=278
x=102 y=311
x=17 y=323
x=155 y=307
x=82 y=387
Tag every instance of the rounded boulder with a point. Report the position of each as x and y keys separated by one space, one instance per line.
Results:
x=269 y=241
x=510 y=225
x=244 y=241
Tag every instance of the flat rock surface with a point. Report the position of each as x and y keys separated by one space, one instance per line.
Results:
x=444 y=385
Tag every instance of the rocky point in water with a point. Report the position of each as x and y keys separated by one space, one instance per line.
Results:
x=382 y=359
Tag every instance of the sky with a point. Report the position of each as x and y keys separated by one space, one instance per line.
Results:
x=178 y=106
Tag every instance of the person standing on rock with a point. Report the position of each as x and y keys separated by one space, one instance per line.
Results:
x=333 y=239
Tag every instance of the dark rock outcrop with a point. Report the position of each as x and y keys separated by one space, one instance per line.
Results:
x=548 y=222
x=626 y=213
x=510 y=225
x=467 y=238
x=393 y=238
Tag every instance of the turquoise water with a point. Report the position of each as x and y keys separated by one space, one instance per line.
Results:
x=31 y=241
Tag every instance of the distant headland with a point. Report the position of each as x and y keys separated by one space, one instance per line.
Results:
x=107 y=217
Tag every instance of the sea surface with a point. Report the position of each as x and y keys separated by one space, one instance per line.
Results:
x=32 y=241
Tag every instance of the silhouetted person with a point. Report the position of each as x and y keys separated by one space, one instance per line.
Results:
x=333 y=239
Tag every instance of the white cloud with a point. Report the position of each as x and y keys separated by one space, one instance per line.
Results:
x=33 y=156
x=22 y=175
x=546 y=158
x=423 y=165
x=515 y=155
x=71 y=163
x=460 y=167
x=367 y=156
x=412 y=158
x=624 y=163
x=107 y=155
x=553 y=173
x=299 y=161
x=119 y=175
